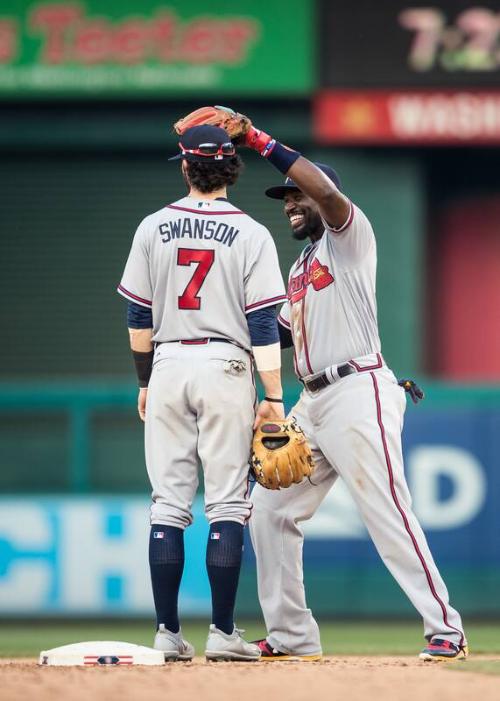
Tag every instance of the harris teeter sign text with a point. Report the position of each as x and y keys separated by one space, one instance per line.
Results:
x=123 y=48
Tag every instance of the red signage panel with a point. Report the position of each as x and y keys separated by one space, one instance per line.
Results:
x=407 y=117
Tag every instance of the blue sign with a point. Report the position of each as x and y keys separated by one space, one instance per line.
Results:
x=83 y=556
x=88 y=556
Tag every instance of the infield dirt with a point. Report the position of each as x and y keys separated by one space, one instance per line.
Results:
x=349 y=678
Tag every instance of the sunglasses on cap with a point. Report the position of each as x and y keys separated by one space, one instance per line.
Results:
x=211 y=150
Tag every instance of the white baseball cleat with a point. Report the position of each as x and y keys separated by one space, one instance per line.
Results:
x=221 y=646
x=173 y=645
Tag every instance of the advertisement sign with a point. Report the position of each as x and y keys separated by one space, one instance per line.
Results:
x=155 y=47
x=410 y=43
x=407 y=117
x=88 y=556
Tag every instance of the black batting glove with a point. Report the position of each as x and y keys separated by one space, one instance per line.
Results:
x=412 y=389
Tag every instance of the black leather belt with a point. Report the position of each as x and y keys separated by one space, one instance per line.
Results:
x=321 y=381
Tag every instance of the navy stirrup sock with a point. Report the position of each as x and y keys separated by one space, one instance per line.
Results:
x=166 y=562
x=224 y=553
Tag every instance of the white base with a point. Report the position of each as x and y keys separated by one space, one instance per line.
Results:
x=101 y=652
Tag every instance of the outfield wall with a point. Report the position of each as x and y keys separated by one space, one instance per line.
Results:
x=70 y=255
x=87 y=555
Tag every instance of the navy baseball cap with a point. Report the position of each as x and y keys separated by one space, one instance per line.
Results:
x=278 y=192
x=210 y=144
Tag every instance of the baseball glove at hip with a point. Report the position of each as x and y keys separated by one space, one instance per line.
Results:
x=280 y=454
x=236 y=124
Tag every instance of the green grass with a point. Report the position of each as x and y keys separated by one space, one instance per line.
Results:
x=26 y=638
x=481 y=666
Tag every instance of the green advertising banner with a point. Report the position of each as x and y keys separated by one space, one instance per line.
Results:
x=134 y=48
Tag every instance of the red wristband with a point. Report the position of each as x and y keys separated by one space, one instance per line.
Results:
x=257 y=139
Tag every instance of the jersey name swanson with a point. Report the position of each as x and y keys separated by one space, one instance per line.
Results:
x=188 y=227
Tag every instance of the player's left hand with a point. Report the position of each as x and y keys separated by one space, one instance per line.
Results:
x=269 y=411
x=141 y=402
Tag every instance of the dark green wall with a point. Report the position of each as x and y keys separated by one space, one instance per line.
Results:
x=67 y=219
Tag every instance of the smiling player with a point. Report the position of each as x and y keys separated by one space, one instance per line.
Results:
x=351 y=410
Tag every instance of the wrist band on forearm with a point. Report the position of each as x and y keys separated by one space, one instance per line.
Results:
x=280 y=156
x=275 y=401
x=267 y=357
x=143 y=366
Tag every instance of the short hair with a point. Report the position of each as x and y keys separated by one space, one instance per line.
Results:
x=208 y=177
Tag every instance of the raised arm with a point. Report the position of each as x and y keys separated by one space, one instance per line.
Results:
x=335 y=208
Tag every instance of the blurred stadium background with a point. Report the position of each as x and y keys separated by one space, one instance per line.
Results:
x=403 y=99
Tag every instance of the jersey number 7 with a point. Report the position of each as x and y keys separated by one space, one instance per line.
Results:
x=204 y=258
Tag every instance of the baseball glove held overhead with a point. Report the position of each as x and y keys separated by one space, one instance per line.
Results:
x=236 y=124
x=280 y=454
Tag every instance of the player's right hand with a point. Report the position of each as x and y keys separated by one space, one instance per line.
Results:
x=269 y=411
x=141 y=402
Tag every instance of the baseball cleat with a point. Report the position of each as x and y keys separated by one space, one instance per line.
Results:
x=271 y=654
x=173 y=645
x=221 y=646
x=440 y=650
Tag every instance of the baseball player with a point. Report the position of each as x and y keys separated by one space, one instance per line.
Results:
x=202 y=282
x=351 y=410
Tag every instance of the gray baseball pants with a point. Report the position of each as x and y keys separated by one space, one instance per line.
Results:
x=354 y=429
x=200 y=408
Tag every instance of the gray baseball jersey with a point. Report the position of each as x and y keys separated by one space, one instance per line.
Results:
x=331 y=309
x=202 y=266
x=354 y=429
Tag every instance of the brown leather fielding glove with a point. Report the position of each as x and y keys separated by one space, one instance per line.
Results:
x=236 y=124
x=280 y=454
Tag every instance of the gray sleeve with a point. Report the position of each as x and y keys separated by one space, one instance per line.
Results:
x=263 y=280
x=353 y=240
x=135 y=284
